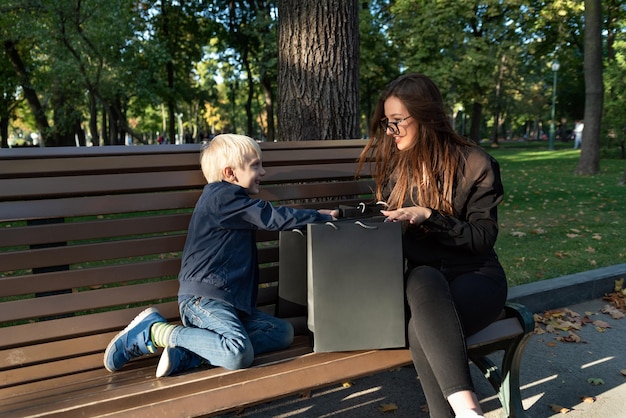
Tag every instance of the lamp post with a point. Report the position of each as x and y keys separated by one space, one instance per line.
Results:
x=555 y=69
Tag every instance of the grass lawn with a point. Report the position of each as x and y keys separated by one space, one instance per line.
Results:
x=553 y=222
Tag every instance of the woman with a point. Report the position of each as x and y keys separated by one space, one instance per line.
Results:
x=445 y=190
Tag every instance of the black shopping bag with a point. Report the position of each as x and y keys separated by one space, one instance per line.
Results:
x=355 y=285
x=292 y=271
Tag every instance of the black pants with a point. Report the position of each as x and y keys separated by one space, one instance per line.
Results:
x=445 y=306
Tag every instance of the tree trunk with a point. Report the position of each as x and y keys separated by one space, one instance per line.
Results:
x=4 y=132
x=477 y=114
x=65 y=118
x=93 y=120
x=29 y=92
x=250 y=95
x=171 y=103
x=589 y=162
x=498 y=99
x=105 y=124
x=318 y=70
x=269 y=107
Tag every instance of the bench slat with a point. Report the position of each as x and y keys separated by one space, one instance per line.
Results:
x=63 y=328
x=137 y=372
x=89 y=185
x=203 y=392
x=62 y=304
x=39 y=167
x=97 y=205
x=74 y=231
x=73 y=254
x=56 y=281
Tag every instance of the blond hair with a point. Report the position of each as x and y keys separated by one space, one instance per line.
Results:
x=227 y=150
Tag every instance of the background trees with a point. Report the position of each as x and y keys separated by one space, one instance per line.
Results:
x=86 y=71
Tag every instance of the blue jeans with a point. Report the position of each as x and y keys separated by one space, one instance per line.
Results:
x=226 y=337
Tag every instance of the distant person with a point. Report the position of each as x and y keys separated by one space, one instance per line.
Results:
x=578 y=133
x=219 y=275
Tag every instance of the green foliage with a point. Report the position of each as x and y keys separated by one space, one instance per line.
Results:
x=379 y=57
x=215 y=63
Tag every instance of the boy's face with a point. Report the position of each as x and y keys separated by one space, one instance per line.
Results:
x=249 y=177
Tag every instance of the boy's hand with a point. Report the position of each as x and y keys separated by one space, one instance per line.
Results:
x=332 y=212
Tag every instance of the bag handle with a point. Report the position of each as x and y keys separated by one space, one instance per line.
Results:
x=359 y=223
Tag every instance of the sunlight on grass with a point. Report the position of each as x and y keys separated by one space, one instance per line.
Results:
x=542 y=155
x=553 y=222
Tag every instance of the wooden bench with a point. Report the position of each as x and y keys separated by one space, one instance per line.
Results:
x=91 y=236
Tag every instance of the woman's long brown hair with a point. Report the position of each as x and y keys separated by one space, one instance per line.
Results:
x=425 y=174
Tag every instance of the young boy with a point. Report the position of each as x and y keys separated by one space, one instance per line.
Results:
x=219 y=274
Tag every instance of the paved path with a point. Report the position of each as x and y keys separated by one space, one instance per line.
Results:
x=552 y=373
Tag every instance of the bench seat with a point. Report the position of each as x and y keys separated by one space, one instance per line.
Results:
x=89 y=237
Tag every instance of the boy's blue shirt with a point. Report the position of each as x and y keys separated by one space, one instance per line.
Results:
x=220 y=255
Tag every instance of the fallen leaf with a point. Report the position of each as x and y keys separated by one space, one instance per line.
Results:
x=588 y=399
x=571 y=313
x=619 y=284
x=347 y=384
x=613 y=312
x=559 y=408
x=595 y=381
x=623 y=372
x=305 y=395
x=388 y=407
x=601 y=324
x=570 y=338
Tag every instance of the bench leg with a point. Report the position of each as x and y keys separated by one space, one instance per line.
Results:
x=509 y=393
x=505 y=379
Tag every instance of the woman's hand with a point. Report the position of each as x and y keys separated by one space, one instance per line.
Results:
x=414 y=214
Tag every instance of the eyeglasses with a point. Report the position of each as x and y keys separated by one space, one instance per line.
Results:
x=392 y=126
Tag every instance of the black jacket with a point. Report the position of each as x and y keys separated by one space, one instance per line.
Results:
x=470 y=235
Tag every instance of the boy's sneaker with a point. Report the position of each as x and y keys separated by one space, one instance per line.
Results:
x=175 y=360
x=133 y=341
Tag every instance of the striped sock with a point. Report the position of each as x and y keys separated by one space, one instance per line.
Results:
x=160 y=333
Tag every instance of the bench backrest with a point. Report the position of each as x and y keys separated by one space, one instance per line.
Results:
x=90 y=236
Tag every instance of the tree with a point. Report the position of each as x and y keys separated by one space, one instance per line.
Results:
x=614 y=113
x=318 y=69
x=8 y=99
x=589 y=162
x=379 y=59
x=468 y=48
x=248 y=44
